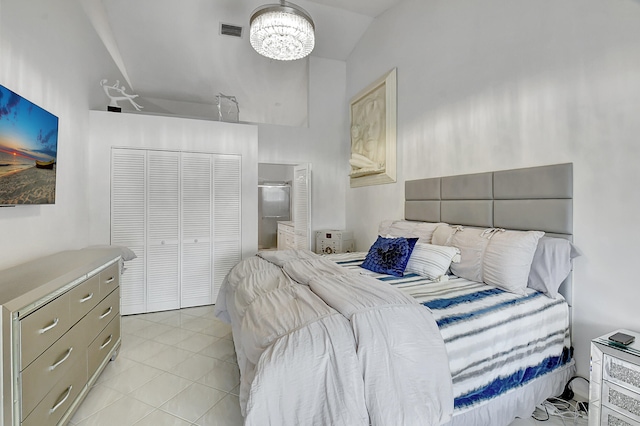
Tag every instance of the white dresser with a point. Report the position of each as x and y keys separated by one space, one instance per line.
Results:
x=286 y=235
x=60 y=319
x=614 y=386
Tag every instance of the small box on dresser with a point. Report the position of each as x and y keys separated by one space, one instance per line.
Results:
x=614 y=386
x=60 y=325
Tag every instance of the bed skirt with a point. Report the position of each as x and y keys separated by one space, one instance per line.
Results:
x=520 y=402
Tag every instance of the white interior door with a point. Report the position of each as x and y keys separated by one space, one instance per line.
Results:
x=196 y=275
x=227 y=186
x=302 y=205
x=163 y=230
x=128 y=224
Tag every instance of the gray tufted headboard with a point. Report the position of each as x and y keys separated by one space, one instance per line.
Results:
x=534 y=198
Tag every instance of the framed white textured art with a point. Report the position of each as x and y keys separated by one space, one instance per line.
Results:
x=373 y=133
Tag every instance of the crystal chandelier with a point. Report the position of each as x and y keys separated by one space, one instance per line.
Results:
x=282 y=31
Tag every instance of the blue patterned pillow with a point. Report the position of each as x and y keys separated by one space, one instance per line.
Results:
x=389 y=255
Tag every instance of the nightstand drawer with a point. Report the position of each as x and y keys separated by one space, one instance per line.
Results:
x=41 y=328
x=84 y=297
x=621 y=399
x=613 y=418
x=109 y=279
x=59 y=399
x=102 y=344
x=621 y=372
x=43 y=373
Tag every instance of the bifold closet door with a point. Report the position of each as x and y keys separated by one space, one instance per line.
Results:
x=128 y=218
x=180 y=212
x=163 y=230
x=227 y=250
x=196 y=204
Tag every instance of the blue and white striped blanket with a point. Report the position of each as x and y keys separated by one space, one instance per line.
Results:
x=496 y=341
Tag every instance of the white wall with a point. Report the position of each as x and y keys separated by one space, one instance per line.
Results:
x=51 y=55
x=323 y=144
x=268 y=172
x=515 y=83
x=169 y=133
x=44 y=46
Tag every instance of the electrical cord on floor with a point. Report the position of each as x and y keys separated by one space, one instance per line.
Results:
x=565 y=410
x=568 y=393
x=563 y=406
x=539 y=419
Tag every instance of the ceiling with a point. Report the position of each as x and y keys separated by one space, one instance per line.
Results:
x=171 y=53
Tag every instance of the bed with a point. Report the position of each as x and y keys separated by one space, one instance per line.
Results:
x=320 y=340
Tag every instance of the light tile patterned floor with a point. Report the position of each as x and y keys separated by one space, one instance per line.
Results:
x=178 y=368
x=175 y=368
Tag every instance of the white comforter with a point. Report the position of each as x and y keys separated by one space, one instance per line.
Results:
x=319 y=345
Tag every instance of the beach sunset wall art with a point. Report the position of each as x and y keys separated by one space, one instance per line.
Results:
x=28 y=151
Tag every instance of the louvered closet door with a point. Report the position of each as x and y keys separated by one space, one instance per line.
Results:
x=163 y=230
x=128 y=223
x=302 y=205
x=227 y=233
x=196 y=277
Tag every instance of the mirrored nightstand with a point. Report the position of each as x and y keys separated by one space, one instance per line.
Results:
x=614 y=388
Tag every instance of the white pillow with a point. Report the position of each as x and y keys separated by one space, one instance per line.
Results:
x=408 y=229
x=551 y=265
x=493 y=256
x=472 y=243
x=424 y=231
x=431 y=261
x=402 y=228
x=443 y=233
x=507 y=259
x=383 y=227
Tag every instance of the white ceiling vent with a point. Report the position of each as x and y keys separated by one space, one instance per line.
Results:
x=230 y=30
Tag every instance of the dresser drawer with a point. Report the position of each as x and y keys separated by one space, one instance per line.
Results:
x=102 y=314
x=290 y=240
x=58 y=361
x=84 y=297
x=621 y=372
x=42 y=327
x=610 y=417
x=102 y=344
x=621 y=399
x=109 y=279
x=60 y=398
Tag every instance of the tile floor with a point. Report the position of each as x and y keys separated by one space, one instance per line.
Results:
x=174 y=368
x=178 y=368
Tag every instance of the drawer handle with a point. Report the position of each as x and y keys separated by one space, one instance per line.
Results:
x=110 y=280
x=106 y=343
x=55 y=407
x=106 y=314
x=64 y=358
x=49 y=327
x=89 y=297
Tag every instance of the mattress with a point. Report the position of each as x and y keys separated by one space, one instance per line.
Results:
x=497 y=342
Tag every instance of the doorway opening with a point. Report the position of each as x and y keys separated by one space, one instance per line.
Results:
x=284 y=200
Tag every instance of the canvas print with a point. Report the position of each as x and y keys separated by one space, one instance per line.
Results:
x=368 y=130
x=373 y=133
x=28 y=151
